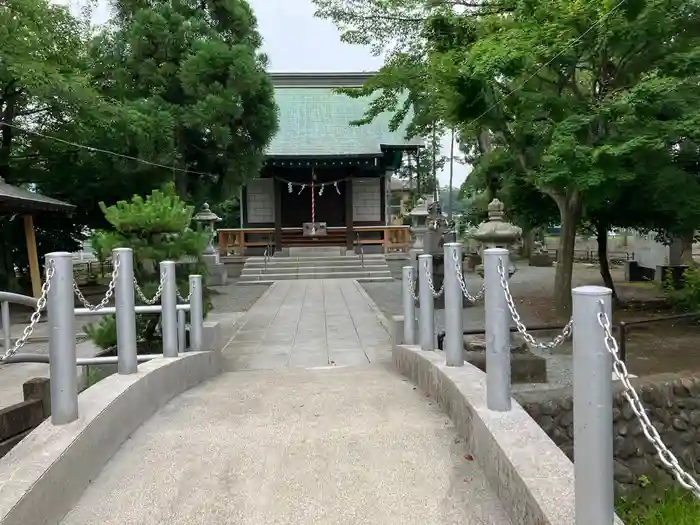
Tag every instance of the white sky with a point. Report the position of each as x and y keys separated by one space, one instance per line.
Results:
x=296 y=41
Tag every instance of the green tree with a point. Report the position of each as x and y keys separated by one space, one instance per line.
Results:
x=42 y=83
x=586 y=96
x=157 y=228
x=200 y=63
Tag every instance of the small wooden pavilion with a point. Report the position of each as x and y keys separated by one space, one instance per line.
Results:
x=18 y=201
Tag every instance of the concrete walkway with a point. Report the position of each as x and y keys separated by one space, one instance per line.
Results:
x=310 y=323
x=311 y=430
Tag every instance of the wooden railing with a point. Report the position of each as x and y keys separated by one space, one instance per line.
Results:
x=236 y=241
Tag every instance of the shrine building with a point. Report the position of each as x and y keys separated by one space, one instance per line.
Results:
x=324 y=182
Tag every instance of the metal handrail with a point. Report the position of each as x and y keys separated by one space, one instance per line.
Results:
x=80 y=361
x=362 y=250
x=7 y=298
x=267 y=253
x=16 y=298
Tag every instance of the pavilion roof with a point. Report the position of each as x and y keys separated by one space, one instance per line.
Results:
x=14 y=199
x=314 y=120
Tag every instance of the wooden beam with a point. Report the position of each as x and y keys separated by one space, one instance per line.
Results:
x=350 y=231
x=277 y=189
x=34 y=272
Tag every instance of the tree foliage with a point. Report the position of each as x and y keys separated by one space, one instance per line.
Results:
x=157 y=228
x=164 y=91
x=571 y=105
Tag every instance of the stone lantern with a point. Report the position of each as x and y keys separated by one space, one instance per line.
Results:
x=206 y=220
x=525 y=366
x=496 y=233
x=216 y=271
x=419 y=227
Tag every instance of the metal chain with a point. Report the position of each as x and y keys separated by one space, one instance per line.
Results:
x=108 y=294
x=429 y=277
x=460 y=277
x=531 y=341
x=155 y=298
x=412 y=286
x=184 y=299
x=36 y=315
x=665 y=455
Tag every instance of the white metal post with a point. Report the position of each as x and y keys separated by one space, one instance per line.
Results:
x=62 y=358
x=454 y=337
x=497 y=331
x=426 y=317
x=196 y=313
x=181 y=330
x=127 y=361
x=409 y=306
x=169 y=309
x=593 y=408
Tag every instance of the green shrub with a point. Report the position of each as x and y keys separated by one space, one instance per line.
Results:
x=686 y=297
x=674 y=507
x=157 y=228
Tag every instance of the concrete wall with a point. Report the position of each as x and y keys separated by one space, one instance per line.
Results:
x=46 y=473
x=649 y=253
x=260 y=201
x=533 y=478
x=366 y=199
x=673 y=405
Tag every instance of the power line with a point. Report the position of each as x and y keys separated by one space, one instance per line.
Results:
x=566 y=48
x=106 y=152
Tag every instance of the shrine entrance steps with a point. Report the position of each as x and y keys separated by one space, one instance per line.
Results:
x=315 y=263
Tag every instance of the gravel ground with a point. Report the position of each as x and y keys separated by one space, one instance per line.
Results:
x=530 y=287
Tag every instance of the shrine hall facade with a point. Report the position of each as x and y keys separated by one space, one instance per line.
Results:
x=324 y=178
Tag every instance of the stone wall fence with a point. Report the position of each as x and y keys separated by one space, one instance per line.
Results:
x=672 y=402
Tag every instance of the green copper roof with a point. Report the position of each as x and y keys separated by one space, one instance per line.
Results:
x=315 y=121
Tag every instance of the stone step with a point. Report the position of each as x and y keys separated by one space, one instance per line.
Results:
x=314 y=251
x=313 y=269
x=320 y=259
x=268 y=281
x=319 y=275
x=315 y=264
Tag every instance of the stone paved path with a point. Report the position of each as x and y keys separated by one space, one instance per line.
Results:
x=310 y=323
x=311 y=429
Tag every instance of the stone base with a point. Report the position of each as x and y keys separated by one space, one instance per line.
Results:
x=541 y=260
x=525 y=367
x=473 y=260
x=217 y=275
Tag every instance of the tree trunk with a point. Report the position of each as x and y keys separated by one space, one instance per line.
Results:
x=528 y=243
x=687 y=241
x=569 y=212
x=602 y=240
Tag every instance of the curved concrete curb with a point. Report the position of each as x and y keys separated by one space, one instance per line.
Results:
x=46 y=473
x=533 y=478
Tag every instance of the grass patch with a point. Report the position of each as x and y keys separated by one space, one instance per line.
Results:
x=675 y=507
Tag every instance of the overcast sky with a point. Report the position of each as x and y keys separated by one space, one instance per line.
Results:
x=296 y=41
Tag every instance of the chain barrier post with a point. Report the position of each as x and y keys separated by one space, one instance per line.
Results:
x=60 y=311
x=426 y=319
x=168 y=318
x=593 y=408
x=497 y=331
x=196 y=313
x=454 y=339
x=181 y=331
x=127 y=360
x=409 y=306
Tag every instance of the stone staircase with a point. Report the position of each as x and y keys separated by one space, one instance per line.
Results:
x=315 y=263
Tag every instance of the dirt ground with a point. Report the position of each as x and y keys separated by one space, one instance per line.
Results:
x=663 y=346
